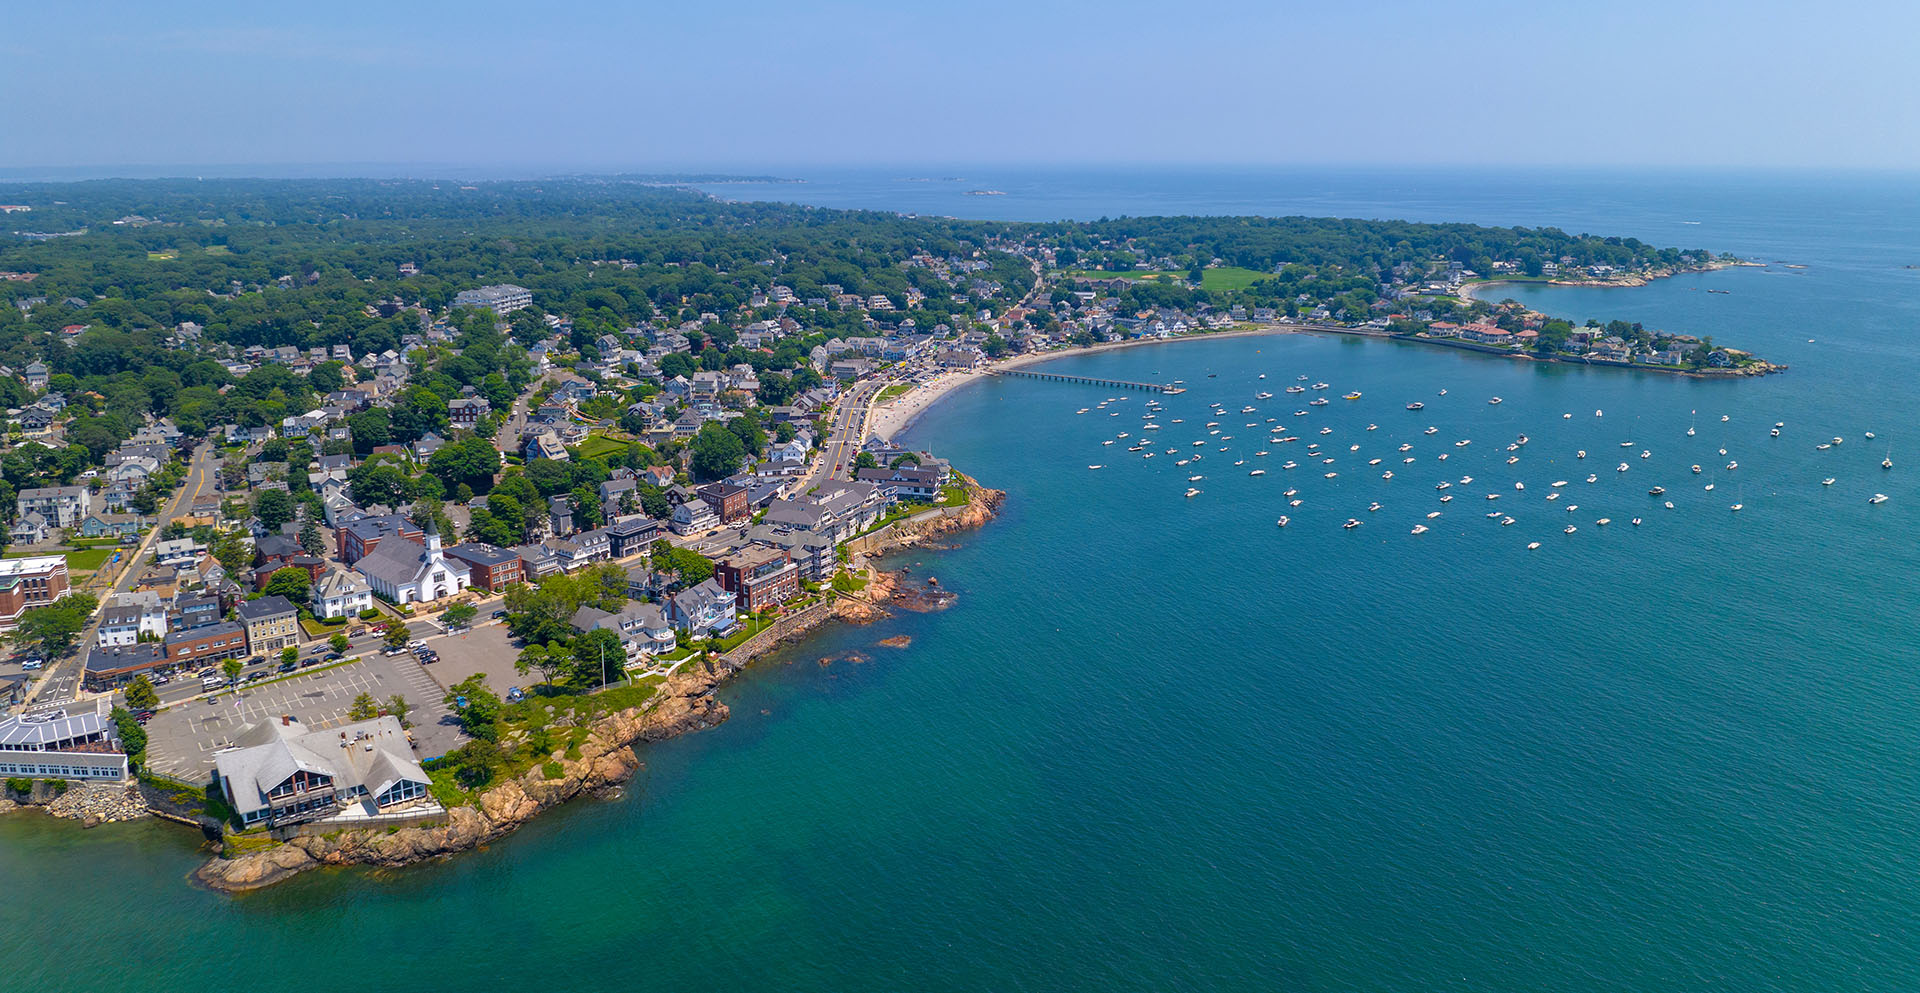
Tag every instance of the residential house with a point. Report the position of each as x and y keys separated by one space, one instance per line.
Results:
x=703 y=610
x=465 y=412
x=177 y=552
x=31 y=529
x=693 y=517
x=63 y=506
x=642 y=627
x=342 y=593
x=193 y=612
x=906 y=482
x=112 y=526
x=632 y=535
x=129 y=616
x=358 y=537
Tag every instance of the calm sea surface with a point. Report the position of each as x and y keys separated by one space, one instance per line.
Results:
x=1162 y=744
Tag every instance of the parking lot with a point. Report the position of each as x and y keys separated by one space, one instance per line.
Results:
x=483 y=649
x=183 y=739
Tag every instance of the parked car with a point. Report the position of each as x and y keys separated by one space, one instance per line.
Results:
x=32 y=664
x=288 y=666
x=309 y=661
x=254 y=677
x=160 y=679
x=143 y=716
x=499 y=615
x=514 y=695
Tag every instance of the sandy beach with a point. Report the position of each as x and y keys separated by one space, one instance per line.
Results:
x=896 y=415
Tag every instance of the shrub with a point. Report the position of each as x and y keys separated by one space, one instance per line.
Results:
x=58 y=786
x=553 y=770
x=20 y=785
x=369 y=614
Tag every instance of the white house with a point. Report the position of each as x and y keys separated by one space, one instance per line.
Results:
x=405 y=572
x=131 y=615
x=343 y=594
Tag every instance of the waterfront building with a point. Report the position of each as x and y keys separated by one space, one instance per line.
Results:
x=282 y=774
x=58 y=745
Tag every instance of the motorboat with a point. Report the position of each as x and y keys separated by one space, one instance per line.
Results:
x=1431 y=431
x=1696 y=470
x=1283 y=521
x=1416 y=405
x=1494 y=400
x=1419 y=529
x=1877 y=498
x=1351 y=524
x=1827 y=481
x=1531 y=545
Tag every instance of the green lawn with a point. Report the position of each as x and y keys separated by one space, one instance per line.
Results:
x=1223 y=279
x=88 y=559
x=167 y=256
x=600 y=446
x=218 y=250
x=85 y=560
x=896 y=390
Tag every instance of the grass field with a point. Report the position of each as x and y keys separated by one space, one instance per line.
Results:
x=599 y=446
x=218 y=250
x=85 y=560
x=1223 y=279
x=166 y=256
x=896 y=390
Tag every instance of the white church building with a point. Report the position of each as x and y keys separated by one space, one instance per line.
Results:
x=403 y=571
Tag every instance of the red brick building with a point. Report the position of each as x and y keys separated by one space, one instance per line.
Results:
x=492 y=569
x=28 y=583
x=726 y=499
x=759 y=576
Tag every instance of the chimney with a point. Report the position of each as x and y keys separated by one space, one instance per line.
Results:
x=286 y=720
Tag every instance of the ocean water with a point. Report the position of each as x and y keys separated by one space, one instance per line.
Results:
x=1160 y=743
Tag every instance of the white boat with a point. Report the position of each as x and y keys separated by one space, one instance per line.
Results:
x=1433 y=514
x=1877 y=498
x=1260 y=455
x=1387 y=475
x=1657 y=491
x=1493 y=496
x=1709 y=486
x=1263 y=396
x=1465 y=480
x=1559 y=482
x=1443 y=485
x=1373 y=461
x=1372 y=507
x=1669 y=504
x=1282 y=521
x=1192 y=492
x=1622 y=467
x=1736 y=507
x=1732 y=466
x=1593 y=477
x=1416 y=405
x=1626 y=444
x=1406 y=461
x=1419 y=529
x=1183 y=462
x=1319 y=386
x=1443 y=392
x=1823 y=446
x=1096 y=467
x=1289 y=464
x=1581 y=454
x=1572 y=507
x=1295 y=503
x=1239 y=462
x=1519 y=486
x=1257 y=472
x=1447 y=498
x=1506 y=522
x=1495 y=400
x=1317 y=402
x=1373 y=427
x=1326 y=430
x=1195 y=479
x=1596 y=413
x=1332 y=474
x=1837 y=439
x=1442 y=456
x=1432 y=431
x=1553 y=496
x=1696 y=470
x=1566 y=417
x=1351 y=524
x=1462 y=443
x=1775 y=432
x=1636 y=522
x=1827 y=481
x=1531 y=545
x=1571 y=529
x=1604 y=521
x=1723 y=418
x=1646 y=455
x=1406 y=448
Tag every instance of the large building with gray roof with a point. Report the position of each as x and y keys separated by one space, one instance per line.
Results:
x=284 y=774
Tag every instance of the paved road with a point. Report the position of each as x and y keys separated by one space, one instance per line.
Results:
x=61 y=682
x=507 y=439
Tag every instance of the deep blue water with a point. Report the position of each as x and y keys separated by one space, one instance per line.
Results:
x=1160 y=743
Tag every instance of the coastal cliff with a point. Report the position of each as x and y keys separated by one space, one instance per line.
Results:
x=685 y=703
x=606 y=757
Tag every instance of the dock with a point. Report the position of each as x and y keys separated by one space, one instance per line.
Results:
x=1118 y=384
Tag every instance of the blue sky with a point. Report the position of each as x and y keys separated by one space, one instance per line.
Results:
x=756 y=85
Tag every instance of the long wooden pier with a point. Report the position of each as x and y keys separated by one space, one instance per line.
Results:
x=1118 y=384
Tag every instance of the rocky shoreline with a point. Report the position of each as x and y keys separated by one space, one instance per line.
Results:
x=606 y=758
x=92 y=804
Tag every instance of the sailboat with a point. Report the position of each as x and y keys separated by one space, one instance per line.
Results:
x=1887 y=463
x=1690 y=416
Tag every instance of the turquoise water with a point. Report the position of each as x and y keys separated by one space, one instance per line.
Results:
x=1160 y=743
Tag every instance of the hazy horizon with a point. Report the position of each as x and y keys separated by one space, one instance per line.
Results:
x=205 y=85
